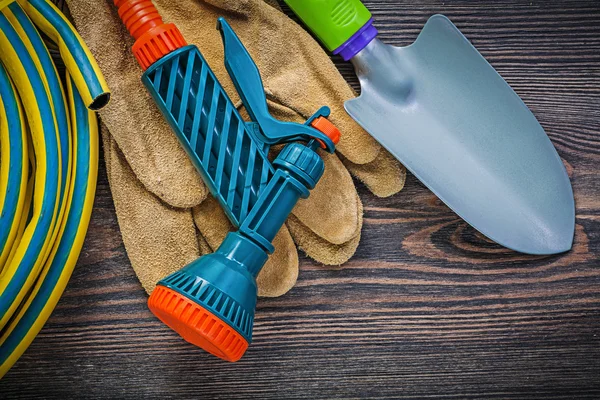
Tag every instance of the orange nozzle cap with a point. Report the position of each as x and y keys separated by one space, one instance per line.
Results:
x=196 y=324
x=154 y=38
x=326 y=127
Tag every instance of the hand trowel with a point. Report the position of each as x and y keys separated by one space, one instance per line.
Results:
x=443 y=111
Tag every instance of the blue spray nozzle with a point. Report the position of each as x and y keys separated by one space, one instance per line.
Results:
x=211 y=301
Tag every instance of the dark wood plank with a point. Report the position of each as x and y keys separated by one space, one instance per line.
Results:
x=427 y=308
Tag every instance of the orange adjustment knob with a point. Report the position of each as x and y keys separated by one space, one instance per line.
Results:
x=196 y=324
x=326 y=127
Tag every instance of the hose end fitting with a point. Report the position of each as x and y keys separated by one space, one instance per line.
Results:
x=153 y=38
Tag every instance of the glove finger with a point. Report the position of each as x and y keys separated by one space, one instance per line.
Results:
x=335 y=193
x=147 y=142
x=203 y=244
x=355 y=143
x=280 y=272
x=159 y=239
x=384 y=176
x=211 y=221
x=321 y=250
x=333 y=210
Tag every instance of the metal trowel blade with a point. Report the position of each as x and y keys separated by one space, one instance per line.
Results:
x=443 y=111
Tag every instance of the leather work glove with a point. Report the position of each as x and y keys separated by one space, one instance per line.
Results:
x=166 y=216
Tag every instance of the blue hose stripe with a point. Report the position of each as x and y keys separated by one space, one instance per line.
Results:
x=44 y=223
x=73 y=223
x=56 y=90
x=15 y=166
x=72 y=43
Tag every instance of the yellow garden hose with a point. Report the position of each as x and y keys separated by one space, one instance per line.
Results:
x=32 y=39
x=46 y=233
x=13 y=165
x=53 y=281
x=19 y=275
x=22 y=223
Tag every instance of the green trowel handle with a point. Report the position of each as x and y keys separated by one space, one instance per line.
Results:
x=332 y=21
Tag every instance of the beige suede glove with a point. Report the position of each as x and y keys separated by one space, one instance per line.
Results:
x=165 y=216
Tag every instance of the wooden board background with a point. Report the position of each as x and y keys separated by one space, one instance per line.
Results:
x=426 y=308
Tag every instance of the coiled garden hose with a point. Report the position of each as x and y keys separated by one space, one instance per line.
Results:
x=13 y=164
x=45 y=206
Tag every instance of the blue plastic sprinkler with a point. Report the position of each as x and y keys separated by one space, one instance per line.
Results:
x=211 y=301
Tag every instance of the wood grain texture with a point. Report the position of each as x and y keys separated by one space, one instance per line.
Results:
x=427 y=308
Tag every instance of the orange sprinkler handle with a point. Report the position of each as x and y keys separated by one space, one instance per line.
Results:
x=154 y=38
